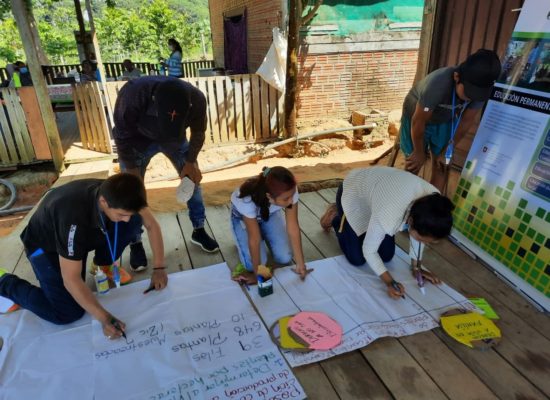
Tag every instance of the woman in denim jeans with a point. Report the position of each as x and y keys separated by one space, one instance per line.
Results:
x=264 y=210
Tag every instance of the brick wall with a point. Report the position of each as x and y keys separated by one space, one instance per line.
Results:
x=262 y=16
x=332 y=84
x=336 y=84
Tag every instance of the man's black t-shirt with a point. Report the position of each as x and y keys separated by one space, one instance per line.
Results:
x=67 y=221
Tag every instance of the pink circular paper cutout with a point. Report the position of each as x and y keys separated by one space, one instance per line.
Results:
x=317 y=330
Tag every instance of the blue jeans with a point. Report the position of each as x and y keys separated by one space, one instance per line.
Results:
x=178 y=157
x=273 y=233
x=51 y=301
x=351 y=244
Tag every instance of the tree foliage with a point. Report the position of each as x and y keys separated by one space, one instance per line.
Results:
x=125 y=29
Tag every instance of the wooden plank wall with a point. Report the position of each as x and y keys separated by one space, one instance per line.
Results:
x=460 y=29
x=90 y=106
x=35 y=123
x=16 y=146
x=241 y=108
x=111 y=90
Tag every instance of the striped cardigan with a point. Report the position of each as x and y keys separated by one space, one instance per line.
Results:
x=376 y=201
x=174 y=64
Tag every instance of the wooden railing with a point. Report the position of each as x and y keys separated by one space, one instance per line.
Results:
x=3 y=75
x=190 y=68
x=241 y=108
x=115 y=70
x=52 y=71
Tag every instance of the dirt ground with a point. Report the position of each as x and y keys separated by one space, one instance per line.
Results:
x=31 y=185
x=317 y=163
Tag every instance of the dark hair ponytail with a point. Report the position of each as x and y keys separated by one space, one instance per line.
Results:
x=176 y=44
x=432 y=216
x=274 y=181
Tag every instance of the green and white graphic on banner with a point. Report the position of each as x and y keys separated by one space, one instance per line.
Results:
x=503 y=197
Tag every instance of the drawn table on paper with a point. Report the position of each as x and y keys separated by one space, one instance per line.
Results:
x=357 y=300
x=198 y=339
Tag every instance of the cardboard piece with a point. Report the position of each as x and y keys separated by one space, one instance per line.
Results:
x=484 y=306
x=316 y=330
x=286 y=340
x=471 y=329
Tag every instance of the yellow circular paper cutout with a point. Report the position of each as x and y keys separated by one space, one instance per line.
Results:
x=471 y=329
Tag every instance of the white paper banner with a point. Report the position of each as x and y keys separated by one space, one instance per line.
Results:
x=198 y=339
x=357 y=299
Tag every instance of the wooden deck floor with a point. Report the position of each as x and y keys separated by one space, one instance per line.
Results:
x=423 y=366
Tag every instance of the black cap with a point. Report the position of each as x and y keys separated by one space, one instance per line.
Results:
x=479 y=73
x=172 y=100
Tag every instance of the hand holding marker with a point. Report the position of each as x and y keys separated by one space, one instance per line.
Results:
x=395 y=285
x=115 y=323
x=419 y=277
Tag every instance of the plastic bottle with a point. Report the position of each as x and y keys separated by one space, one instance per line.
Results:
x=265 y=287
x=185 y=190
x=101 y=282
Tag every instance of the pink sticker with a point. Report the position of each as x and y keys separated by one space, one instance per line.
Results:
x=317 y=330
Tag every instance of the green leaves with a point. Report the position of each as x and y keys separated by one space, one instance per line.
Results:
x=125 y=28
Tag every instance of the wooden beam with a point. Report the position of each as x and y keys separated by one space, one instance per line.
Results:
x=428 y=21
x=22 y=14
x=42 y=57
x=81 y=25
x=95 y=42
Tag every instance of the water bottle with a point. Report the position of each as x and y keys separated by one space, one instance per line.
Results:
x=185 y=190
x=101 y=281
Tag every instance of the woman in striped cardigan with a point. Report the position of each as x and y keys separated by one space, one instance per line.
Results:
x=173 y=63
x=373 y=204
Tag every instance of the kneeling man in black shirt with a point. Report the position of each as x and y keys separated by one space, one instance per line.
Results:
x=82 y=216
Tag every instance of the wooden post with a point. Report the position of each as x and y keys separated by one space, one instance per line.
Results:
x=95 y=43
x=81 y=27
x=294 y=15
x=22 y=14
x=296 y=19
x=426 y=34
x=42 y=57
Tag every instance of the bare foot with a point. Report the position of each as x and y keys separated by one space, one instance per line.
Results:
x=328 y=216
x=246 y=277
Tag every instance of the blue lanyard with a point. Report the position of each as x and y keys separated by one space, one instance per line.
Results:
x=454 y=127
x=112 y=249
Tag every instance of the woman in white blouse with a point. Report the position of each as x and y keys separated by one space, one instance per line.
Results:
x=373 y=204
x=264 y=210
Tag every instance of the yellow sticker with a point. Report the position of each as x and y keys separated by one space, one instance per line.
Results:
x=287 y=341
x=469 y=327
